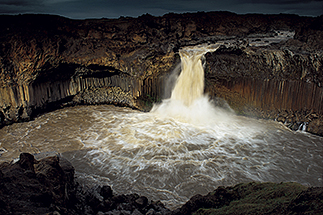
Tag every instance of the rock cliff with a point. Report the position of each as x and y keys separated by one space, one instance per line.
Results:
x=47 y=61
x=273 y=82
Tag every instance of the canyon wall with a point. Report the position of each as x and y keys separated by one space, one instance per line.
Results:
x=49 y=61
x=276 y=83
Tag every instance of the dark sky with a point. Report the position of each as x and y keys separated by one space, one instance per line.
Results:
x=80 y=9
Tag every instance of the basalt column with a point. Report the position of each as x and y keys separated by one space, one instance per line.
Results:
x=270 y=83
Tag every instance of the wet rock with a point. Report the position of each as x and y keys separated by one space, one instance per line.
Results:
x=27 y=161
x=49 y=187
x=106 y=192
x=22 y=193
x=316 y=126
x=142 y=201
x=31 y=186
x=137 y=212
x=49 y=173
x=102 y=200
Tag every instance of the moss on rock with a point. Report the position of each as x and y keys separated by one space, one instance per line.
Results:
x=257 y=198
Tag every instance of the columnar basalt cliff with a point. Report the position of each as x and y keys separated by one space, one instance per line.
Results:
x=277 y=83
x=47 y=61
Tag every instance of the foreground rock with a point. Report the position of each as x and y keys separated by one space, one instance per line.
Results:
x=30 y=186
x=47 y=186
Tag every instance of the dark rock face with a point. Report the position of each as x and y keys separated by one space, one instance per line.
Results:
x=47 y=61
x=47 y=186
x=273 y=82
x=31 y=186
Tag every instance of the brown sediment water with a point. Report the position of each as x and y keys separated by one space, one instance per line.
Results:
x=182 y=147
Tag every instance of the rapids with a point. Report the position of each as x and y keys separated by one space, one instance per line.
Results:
x=184 y=146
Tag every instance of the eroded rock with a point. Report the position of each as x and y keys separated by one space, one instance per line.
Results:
x=31 y=186
x=47 y=186
x=48 y=60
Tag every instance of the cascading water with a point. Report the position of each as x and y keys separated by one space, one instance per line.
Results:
x=188 y=102
x=184 y=146
x=190 y=83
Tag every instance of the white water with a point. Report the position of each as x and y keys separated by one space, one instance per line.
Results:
x=188 y=102
x=183 y=147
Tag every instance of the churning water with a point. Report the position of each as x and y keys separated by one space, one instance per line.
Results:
x=186 y=145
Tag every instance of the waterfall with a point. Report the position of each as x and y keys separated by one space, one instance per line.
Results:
x=302 y=127
x=185 y=146
x=188 y=102
x=190 y=83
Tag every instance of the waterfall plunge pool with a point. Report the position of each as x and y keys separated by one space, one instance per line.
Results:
x=184 y=146
x=165 y=158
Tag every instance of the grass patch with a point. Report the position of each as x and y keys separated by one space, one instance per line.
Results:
x=258 y=198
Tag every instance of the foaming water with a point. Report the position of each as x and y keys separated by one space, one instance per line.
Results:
x=168 y=158
x=188 y=104
x=190 y=83
x=185 y=146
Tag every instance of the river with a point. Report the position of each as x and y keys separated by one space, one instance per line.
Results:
x=178 y=149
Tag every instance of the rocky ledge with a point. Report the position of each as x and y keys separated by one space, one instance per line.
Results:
x=47 y=186
x=273 y=67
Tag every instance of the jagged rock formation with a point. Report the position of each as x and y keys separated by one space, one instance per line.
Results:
x=47 y=186
x=32 y=186
x=49 y=60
